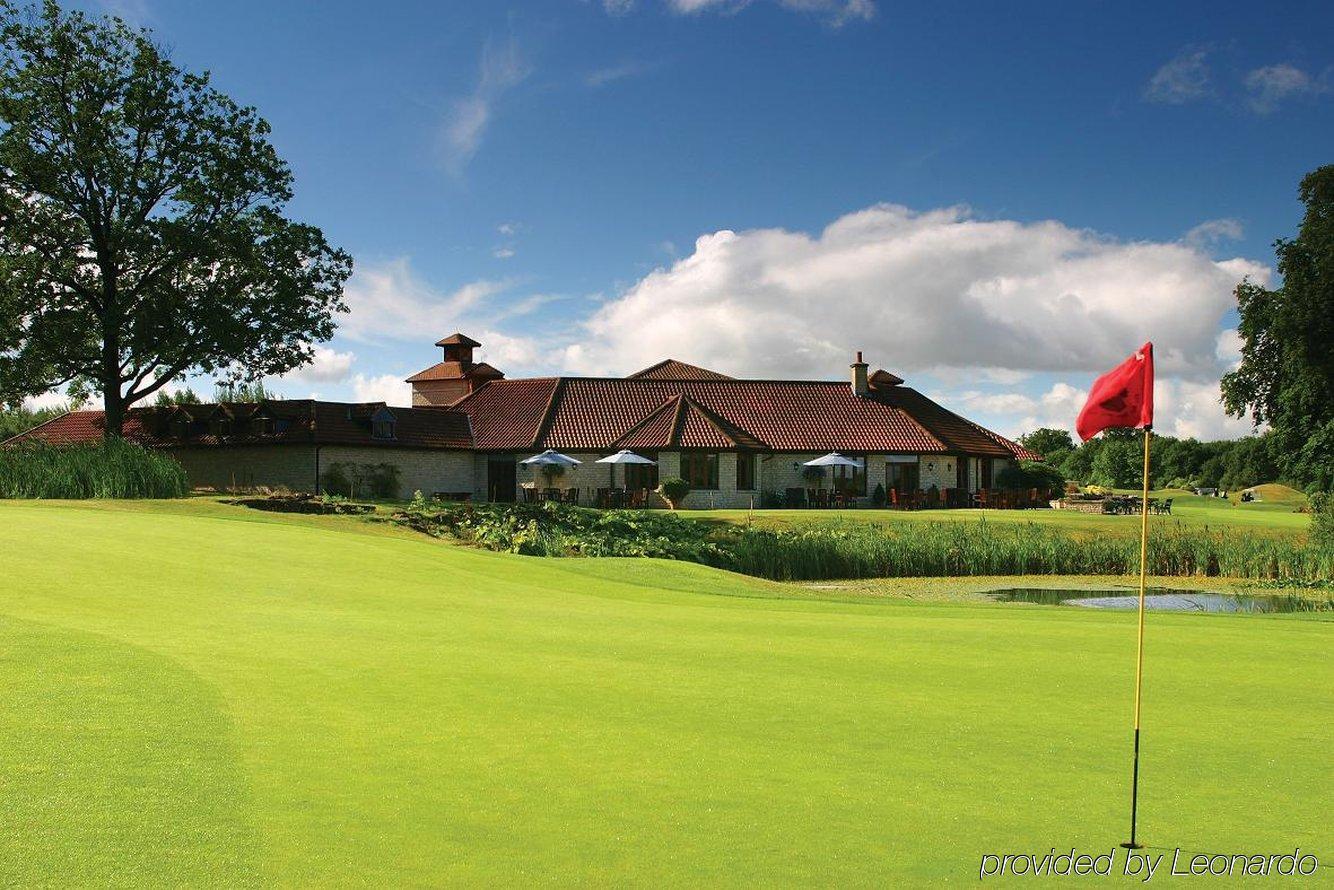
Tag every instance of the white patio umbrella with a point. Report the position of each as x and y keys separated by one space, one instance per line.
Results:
x=623 y=456
x=832 y=459
x=551 y=458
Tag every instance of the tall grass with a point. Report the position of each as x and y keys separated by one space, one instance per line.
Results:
x=930 y=549
x=981 y=548
x=112 y=469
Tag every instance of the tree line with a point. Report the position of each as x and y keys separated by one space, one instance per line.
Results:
x=1116 y=458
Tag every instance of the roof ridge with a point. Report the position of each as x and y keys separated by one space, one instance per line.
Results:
x=548 y=412
x=726 y=427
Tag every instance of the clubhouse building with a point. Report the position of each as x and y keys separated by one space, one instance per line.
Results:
x=737 y=442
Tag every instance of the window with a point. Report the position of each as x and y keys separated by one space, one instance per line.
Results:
x=382 y=424
x=222 y=426
x=700 y=469
x=261 y=426
x=745 y=472
x=642 y=476
x=851 y=480
x=904 y=477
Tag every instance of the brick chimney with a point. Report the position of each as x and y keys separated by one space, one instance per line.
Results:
x=859 y=384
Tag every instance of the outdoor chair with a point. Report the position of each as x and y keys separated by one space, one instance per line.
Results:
x=1167 y=506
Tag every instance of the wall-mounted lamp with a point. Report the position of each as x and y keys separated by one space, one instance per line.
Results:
x=930 y=466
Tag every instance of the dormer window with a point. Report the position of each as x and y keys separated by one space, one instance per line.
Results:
x=382 y=424
x=222 y=426
x=180 y=427
x=261 y=425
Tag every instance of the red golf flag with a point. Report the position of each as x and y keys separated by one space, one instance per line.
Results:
x=1121 y=397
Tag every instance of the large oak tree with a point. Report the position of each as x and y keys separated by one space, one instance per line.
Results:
x=142 y=226
x=1286 y=376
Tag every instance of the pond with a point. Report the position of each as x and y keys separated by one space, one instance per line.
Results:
x=1161 y=599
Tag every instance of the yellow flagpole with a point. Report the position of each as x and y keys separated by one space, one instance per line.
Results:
x=1139 y=645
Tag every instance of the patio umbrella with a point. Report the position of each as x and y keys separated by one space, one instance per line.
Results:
x=623 y=457
x=832 y=459
x=551 y=458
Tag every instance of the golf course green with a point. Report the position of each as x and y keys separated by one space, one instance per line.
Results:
x=200 y=694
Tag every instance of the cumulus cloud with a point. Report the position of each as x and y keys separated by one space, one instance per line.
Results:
x=1227 y=349
x=1182 y=79
x=389 y=301
x=919 y=291
x=327 y=366
x=388 y=388
x=464 y=127
x=1212 y=232
x=1268 y=87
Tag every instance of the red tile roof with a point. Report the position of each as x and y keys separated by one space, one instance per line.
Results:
x=457 y=339
x=507 y=414
x=671 y=369
x=580 y=413
x=455 y=371
x=301 y=421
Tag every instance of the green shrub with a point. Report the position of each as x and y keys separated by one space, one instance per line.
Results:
x=1032 y=474
x=878 y=496
x=110 y=469
x=674 y=490
x=1322 y=519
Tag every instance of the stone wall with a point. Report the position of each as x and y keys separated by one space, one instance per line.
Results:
x=419 y=469
x=293 y=466
x=249 y=466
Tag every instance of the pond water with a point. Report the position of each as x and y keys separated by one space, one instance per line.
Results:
x=1160 y=599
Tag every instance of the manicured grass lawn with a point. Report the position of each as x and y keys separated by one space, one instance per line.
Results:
x=201 y=694
x=1188 y=509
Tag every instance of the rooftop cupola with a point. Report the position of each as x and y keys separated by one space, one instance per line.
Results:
x=859 y=384
x=458 y=348
x=454 y=377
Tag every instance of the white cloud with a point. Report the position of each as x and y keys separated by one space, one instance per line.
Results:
x=389 y=301
x=503 y=253
x=919 y=292
x=327 y=366
x=1227 y=349
x=600 y=77
x=1183 y=79
x=465 y=126
x=834 y=12
x=1185 y=408
x=1212 y=232
x=1267 y=87
x=508 y=229
x=388 y=388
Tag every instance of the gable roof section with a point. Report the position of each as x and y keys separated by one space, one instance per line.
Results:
x=507 y=414
x=671 y=369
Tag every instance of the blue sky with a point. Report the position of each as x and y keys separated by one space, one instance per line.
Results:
x=994 y=201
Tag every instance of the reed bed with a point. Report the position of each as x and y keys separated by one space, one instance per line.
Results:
x=930 y=549
x=942 y=549
x=111 y=469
